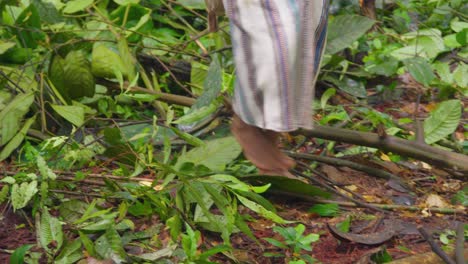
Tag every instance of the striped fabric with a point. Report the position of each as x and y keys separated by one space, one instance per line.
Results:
x=277 y=45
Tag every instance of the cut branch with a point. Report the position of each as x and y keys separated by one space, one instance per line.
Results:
x=426 y=153
x=454 y=161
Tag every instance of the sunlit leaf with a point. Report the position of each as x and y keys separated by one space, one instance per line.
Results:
x=442 y=121
x=343 y=30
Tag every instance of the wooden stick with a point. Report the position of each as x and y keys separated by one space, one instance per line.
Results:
x=460 y=244
x=434 y=246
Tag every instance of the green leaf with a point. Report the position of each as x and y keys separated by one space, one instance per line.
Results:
x=22 y=194
x=443 y=70
x=345 y=225
x=106 y=61
x=18 y=255
x=76 y=5
x=17 y=139
x=420 y=69
x=4 y=193
x=430 y=40
x=78 y=76
x=71 y=253
x=28 y=27
x=343 y=30
x=275 y=242
x=349 y=85
x=308 y=239
x=109 y=246
x=12 y=115
x=73 y=114
x=381 y=257
x=196 y=115
x=6 y=45
x=215 y=154
x=326 y=96
x=46 y=172
x=48 y=12
x=443 y=121
x=288 y=185
x=460 y=75
x=408 y=52
x=126 y=2
x=127 y=58
x=261 y=210
x=325 y=209
x=50 y=230
x=88 y=244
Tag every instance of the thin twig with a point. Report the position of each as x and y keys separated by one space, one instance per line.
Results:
x=346 y=163
x=331 y=189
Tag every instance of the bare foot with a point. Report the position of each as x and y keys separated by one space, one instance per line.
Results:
x=260 y=147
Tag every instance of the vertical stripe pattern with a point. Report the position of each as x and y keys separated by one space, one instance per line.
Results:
x=278 y=45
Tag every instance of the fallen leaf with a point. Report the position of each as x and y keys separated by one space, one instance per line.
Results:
x=434 y=200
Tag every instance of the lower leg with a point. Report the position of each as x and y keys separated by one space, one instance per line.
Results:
x=261 y=148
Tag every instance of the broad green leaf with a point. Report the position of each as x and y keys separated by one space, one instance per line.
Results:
x=4 y=193
x=17 y=139
x=127 y=58
x=458 y=26
x=88 y=244
x=109 y=246
x=11 y=116
x=50 y=230
x=409 y=52
x=126 y=2
x=78 y=77
x=261 y=210
x=18 y=255
x=215 y=154
x=443 y=70
x=105 y=62
x=325 y=209
x=73 y=114
x=71 y=253
x=76 y=5
x=460 y=75
x=349 y=85
x=72 y=75
x=343 y=30
x=420 y=69
x=48 y=11
x=443 y=121
x=430 y=40
x=6 y=45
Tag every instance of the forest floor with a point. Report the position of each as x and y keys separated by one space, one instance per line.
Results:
x=16 y=228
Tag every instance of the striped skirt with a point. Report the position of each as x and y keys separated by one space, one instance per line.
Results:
x=277 y=46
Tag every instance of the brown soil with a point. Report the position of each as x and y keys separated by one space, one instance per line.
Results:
x=14 y=232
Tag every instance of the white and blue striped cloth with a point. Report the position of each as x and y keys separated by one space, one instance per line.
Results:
x=277 y=45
